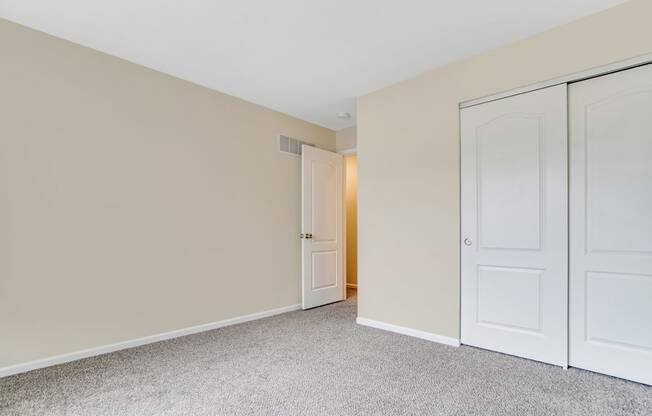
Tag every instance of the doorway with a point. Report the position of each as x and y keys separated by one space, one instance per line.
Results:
x=351 y=223
x=328 y=226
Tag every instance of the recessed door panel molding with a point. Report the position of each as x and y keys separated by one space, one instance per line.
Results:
x=324 y=203
x=502 y=290
x=509 y=175
x=324 y=270
x=514 y=225
x=322 y=227
x=613 y=298
x=618 y=155
x=610 y=128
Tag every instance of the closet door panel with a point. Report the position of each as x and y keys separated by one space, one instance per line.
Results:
x=611 y=224
x=514 y=225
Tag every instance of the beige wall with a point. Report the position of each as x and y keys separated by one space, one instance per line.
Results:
x=346 y=139
x=133 y=203
x=351 y=164
x=409 y=162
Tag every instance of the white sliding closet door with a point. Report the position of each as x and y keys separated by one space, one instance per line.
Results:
x=611 y=224
x=514 y=225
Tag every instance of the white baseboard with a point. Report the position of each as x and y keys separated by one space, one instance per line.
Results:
x=91 y=352
x=409 y=331
x=351 y=286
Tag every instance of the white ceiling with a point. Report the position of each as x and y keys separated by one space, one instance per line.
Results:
x=306 y=58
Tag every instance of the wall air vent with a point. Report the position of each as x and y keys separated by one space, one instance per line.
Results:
x=291 y=146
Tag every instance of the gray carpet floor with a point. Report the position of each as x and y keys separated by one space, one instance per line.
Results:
x=316 y=362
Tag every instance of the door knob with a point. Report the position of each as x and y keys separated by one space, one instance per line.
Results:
x=468 y=241
x=308 y=236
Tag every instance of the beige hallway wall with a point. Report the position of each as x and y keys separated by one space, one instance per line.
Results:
x=351 y=219
x=408 y=142
x=133 y=203
x=346 y=139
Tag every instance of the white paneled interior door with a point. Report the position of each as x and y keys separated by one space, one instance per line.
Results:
x=322 y=208
x=611 y=224
x=514 y=225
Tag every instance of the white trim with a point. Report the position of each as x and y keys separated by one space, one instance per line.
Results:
x=578 y=76
x=344 y=244
x=409 y=332
x=104 y=349
x=346 y=152
x=351 y=285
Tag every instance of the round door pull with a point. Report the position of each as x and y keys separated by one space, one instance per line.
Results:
x=468 y=241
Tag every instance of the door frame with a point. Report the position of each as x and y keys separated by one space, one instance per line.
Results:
x=594 y=72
